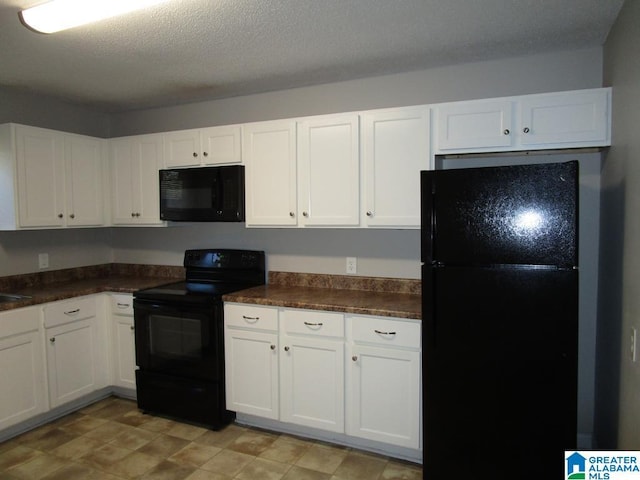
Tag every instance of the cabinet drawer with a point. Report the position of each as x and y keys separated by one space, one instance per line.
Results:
x=249 y=316
x=15 y=322
x=385 y=331
x=313 y=322
x=122 y=304
x=60 y=313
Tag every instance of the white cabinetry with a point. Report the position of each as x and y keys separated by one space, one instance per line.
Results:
x=22 y=366
x=312 y=369
x=50 y=178
x=123 y=336
x=202 y=147
x=302 y=173
x=135 y=162
x=251 y=359
x=76 y=349
x=395 y=148
x=383 y=380
x=572 y=119
x=329 y=170
x=269 y=151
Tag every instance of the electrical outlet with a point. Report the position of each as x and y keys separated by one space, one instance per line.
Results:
x=43 y=260
x=352 y=265
x=633 y=343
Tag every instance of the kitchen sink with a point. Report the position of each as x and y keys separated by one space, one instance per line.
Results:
x=12 y=297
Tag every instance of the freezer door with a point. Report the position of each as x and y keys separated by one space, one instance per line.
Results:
x=500 y=372
x=501 y=215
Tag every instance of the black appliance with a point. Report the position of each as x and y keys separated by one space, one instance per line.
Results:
x=500 y=320
x=207 y=194
x=179 y=336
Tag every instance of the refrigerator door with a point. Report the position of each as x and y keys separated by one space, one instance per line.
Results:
x=501 y=215
x=500 y=371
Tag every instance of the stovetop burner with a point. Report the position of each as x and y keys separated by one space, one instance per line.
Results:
x=210 y=274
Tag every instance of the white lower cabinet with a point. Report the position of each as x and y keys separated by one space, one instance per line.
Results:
x=383 y=380
x=123 y=345
x=76 y=349
x=22 y=366
x=251 y=360
x=312 y=369
x=355 y=375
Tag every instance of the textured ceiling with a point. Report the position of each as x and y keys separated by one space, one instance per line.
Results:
x=191 y=50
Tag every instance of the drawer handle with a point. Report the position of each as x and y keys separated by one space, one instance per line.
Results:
x=123 y=305
x=309 y=324
x=380 y=332
x=72 y=312
x=251 y=319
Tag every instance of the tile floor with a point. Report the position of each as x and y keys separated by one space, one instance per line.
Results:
x=112 y=440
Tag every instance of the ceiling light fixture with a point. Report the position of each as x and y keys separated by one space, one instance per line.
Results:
x=57 y=15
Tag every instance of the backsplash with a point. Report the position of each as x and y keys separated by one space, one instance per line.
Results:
x=346 y=282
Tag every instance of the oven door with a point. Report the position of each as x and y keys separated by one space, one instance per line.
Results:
x=180 y=340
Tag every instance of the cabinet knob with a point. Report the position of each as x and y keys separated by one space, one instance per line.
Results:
x=72 y=216
x=291 y=214
x=286 y=349
x=506 y=131
x=272 y=347
x=305 y=214
x=195 y=154
x=206 y=154
x=52 y=339
x=526 y=130
x=354 y=358
x=60 y=215
x=132 y=328
x=369 y=213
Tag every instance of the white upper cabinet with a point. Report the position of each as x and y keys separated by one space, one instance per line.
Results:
x=566 y=118
x=395 y=148
x=269 y=151
x=572 y=119
x=202 y=147
x=50 y=178
x=135 y=162
x=84 y=173
x=329 y=170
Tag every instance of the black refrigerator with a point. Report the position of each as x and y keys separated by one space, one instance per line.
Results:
x=500 y=320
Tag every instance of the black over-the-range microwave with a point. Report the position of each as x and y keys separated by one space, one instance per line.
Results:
x=206 y=194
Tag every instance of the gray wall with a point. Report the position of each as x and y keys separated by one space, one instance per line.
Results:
x=568 y=70
x=618 y=378
x=42 y=111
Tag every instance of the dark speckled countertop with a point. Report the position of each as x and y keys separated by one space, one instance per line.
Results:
x=44 y=287
x=360 y=295
x=339 y=293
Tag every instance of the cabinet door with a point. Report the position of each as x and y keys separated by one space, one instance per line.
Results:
x=395 y=148
x=22 y=378
x=221 y=145
x=123 y=169
x=383 y=395
x=83 y=159
x=71 y=361
x=40 y=165
x=269 y=152
x=329 y=163
x=572 y=117
x=312 y=382
x=124 y=351
x=135 y=162
x=182 y=149
x=474 y=125
x=251 y=372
